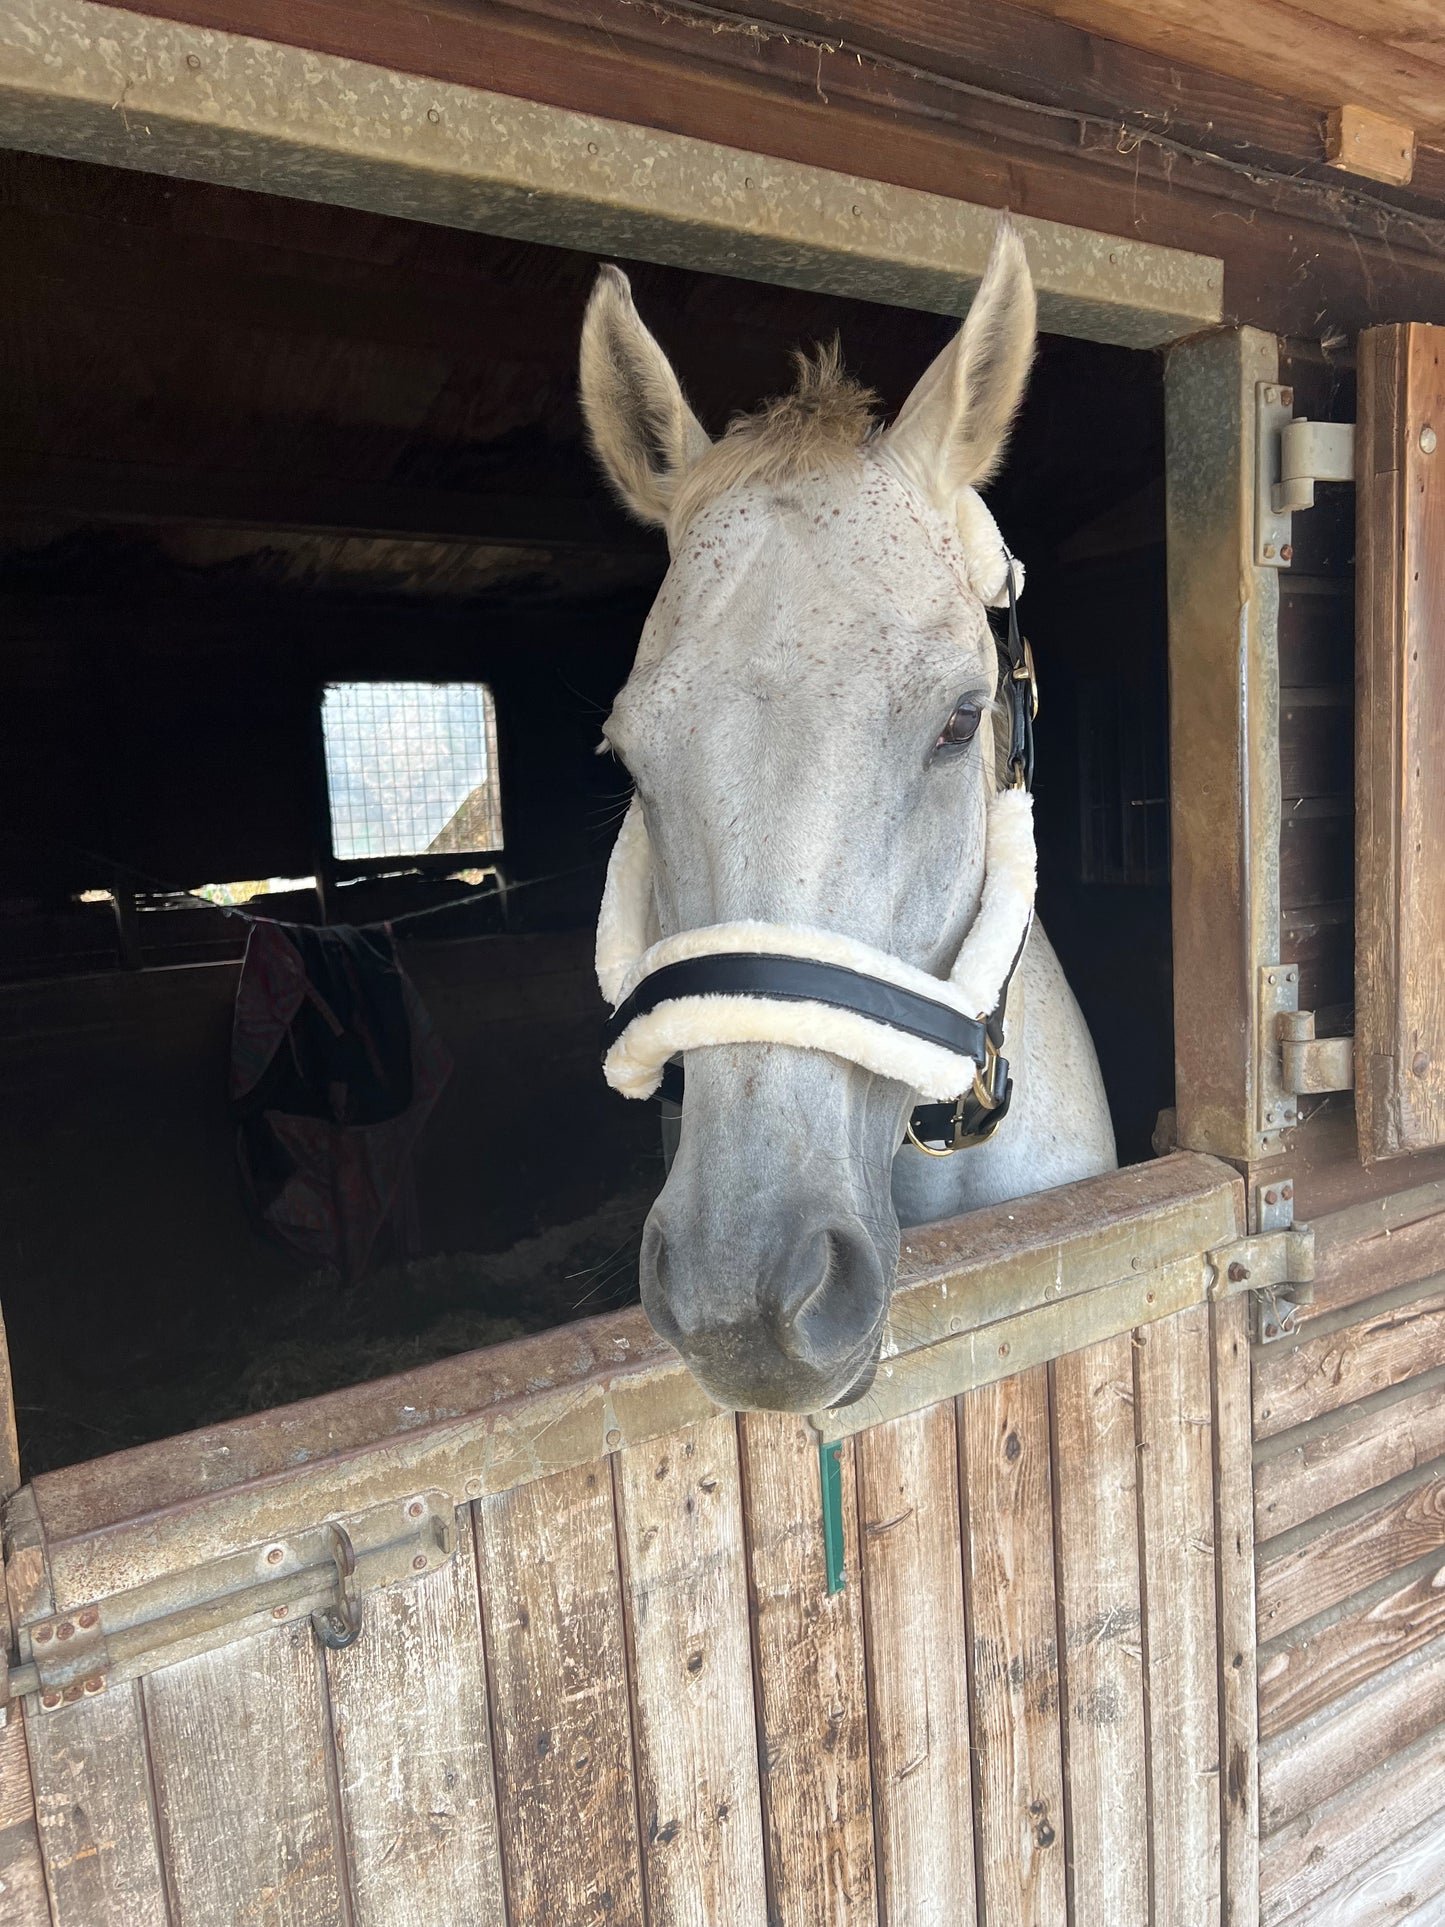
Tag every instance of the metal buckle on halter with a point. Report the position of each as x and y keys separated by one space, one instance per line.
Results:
x=1024 y=672
x=990 y=1087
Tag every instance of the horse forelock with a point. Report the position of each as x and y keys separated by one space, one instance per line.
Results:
x=822 y=426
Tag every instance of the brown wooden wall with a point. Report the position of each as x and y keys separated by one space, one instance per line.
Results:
x=1349 y=1500
x=630 y=1697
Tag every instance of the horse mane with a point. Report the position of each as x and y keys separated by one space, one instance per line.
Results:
x=823 y=425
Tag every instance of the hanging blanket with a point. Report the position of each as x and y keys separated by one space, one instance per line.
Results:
x=334 y=1071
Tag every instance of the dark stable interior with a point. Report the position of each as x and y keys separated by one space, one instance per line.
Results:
x=253 y=447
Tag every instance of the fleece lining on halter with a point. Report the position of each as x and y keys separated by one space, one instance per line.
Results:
x=628 y=950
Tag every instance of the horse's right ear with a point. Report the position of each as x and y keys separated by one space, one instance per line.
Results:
x=644 y=433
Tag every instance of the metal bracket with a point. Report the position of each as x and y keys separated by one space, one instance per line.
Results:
x=1277 y=1105
x=323 y=1574
x=1310 y=1065
x=1276 y=1263
x=1289 y=458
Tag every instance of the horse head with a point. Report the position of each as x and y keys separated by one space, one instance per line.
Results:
x=808 y=730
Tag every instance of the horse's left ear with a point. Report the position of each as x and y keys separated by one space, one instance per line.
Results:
x=951 y=432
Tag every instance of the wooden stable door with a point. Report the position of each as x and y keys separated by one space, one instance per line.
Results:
x=624 y=1658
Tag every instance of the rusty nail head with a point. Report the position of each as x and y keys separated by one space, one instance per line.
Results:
x=614 y=1438
x=50 y=1699
x=193 y=60
x=955 y=1324
x=1003 y=1351
x=88 y=1617
x=1286 y=395
x=275 y=1555
x=1269 y=548
x=1238 y=1273
x=44 y=1635
x=72 y=1692
x=95 y=1684
x=1271 y=1197
x=1286 y=554
x=1287 y=1191
x=419 y=1563
x=65 y=1630
x=415 y=1509
x=279 y=1612
x=1148 y=1298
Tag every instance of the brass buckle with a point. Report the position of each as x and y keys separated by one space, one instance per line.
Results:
x=987 y=1095
x=1025 y=673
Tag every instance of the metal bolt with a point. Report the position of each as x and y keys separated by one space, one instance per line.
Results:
x=433 y=116
x=1286 y=395
x=856 y=209
x=65 y=1630
x=1272 y=978
x=1286 y=554
x=44 y=1635
x=95 y=1684
x=1287 y=1191
x=1269 y=1115
x=419 y=1563
x=275 y=1555
x=415 y=1509
x=279 y=1612
x=50 y=1699
x=614 y=1439
x=88 y=1618
x=72 y=1692
x=1427 y=440
x=1238 y=1273
x=591 y=147
x=1269 y=548
x=193 y=60
x=1271 y=395
x=1271 y=1197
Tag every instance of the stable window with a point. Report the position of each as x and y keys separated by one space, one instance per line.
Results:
x=411 y=770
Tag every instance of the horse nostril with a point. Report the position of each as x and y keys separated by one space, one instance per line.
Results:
x=828 y=1296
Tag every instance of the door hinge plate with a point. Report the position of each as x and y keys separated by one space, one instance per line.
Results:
x=324 y=1574
x=1289 y=458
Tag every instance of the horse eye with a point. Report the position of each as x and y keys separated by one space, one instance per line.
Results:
x=961 y=727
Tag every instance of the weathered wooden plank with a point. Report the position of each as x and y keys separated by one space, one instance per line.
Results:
x=242 y=1733
x=1097 y=1552
x=17 y=1797
x=1301 y=1576
x=1293 y=1383
x=1400 y=750
x=1305 y=1859
x=23 y=1900
x=686 y=1594
x=1009 y=1577
x=1341 y=1455
x=811 y=1683
x=1401 y=1886
x=1307 y=1671
x=552 y=1620
x=917 y=1669
x=1173 y=1420
x=97 y=1827
x=414 y=1757
x=1238 y=1637
x=1311 y=1763
x=1349 y=1273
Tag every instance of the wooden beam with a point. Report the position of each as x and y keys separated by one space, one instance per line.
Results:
x=1007 y=107
x=117 y=492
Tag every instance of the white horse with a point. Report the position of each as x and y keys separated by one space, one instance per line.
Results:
x=808 y=730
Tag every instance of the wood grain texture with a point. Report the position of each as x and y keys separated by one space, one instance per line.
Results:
x=1348 y=1272
x=97 y=1825
x=1097 y=1574
x=1302 y=1579
x=1400 y=744
x=414 y=1757
x=1173 y=1420
x=1305 y=1859
x=242 y=1733
x=1305 y=1672
x=23 y=1899
x=1009 y=1574
x=552 y=1620
x=917 y=1669
x=17 y=1796
x=1401 y=1886
x=1296 y=1382
x=686 y=1593
x=811 y=1683
x=1339 y=1456
x=1309 y=1765
x=1238 y=1659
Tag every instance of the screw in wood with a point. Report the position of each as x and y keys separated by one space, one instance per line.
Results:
x=275 y=1555
x=65 y=1630
x=44 y=1635
x=50 y=1699
x=95 y=1684
x=415 y=1509
x=88 y=1618
x=419 y=1563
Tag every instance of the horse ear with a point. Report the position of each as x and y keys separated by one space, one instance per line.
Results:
x=643 y=431
x=950 y=433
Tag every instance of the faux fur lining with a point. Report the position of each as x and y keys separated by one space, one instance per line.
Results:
x=634 y=1064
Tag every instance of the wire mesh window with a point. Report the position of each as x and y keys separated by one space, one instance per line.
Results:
x=411 y=769
x=1124 y=780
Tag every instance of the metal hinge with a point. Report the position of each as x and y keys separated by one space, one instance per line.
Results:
x=1276 y=1263
x=322 y=1575
x=1294 y=1063
x=1289 y=458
